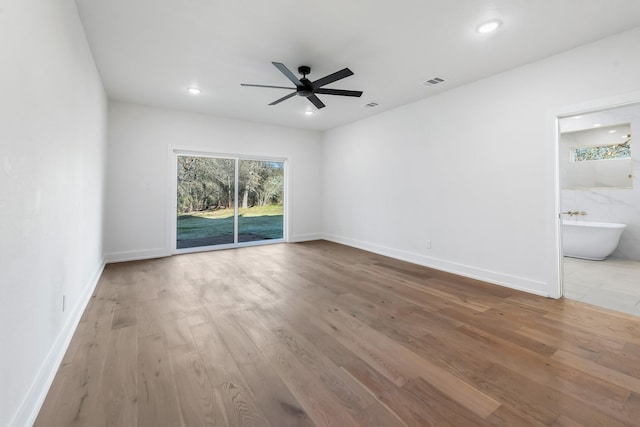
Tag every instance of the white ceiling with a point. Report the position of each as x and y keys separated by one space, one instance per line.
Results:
x=150 y=51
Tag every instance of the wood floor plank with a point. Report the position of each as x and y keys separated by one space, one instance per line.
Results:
x=72 y=403
x=126 y=295
x=124 y=317
x=148 y=318
x=156 y=390
x=320 y=334
x=271 y=395
x=405 y=364
x=626 y=361
x=319 y=403
x=103 y=299
x=419 y=286
x=537 y=403
x=218 y=362
x=238 y=406
x=505 y=416
x=198 y=404
x=561 y=377
x=117 y=403
x=177 y=331
x=315 y=362
x=408 y=407
x=69 y=368
x=599 y=371
x=443 y=409
x=499 y=323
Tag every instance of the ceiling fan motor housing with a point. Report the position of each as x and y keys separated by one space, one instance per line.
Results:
x=304 y=70
x=306 y=90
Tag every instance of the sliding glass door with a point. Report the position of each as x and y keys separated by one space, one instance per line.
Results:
x=261 y=186
x=223 y=202
x=206 y=201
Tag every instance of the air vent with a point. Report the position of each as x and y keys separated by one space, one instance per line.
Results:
x=433 y=81
x=371 y=105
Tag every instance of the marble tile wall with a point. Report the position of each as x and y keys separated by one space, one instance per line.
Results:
x=621 y=206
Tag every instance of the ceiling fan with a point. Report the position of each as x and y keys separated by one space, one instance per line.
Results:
x=307 y=88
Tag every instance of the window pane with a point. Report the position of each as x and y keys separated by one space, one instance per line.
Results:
x=603 y=152
x=261 y=193
x=206 y=193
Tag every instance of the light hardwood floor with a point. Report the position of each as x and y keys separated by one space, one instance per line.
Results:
x=322 y=334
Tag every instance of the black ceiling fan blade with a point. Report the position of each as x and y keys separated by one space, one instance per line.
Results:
x=284 y=70
x=316 y=101
x=340 y=92
x=278 y=101
x=332 y=78
x=274 y=87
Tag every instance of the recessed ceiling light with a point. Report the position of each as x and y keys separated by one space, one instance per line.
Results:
x=612 y=131
x=308 y=113
x=489 y=26
x=577 y=117
x=194 y=90
x=597 y=125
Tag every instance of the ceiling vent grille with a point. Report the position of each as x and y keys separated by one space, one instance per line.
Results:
x=371 y=105
x=433 y=81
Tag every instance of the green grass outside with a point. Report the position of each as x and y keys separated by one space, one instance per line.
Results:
x=265 y=221
x=228 y=212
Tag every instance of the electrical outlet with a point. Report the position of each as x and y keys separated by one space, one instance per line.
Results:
x=428 y=244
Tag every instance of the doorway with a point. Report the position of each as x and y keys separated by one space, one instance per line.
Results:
x=599 y=192
x=227 y=201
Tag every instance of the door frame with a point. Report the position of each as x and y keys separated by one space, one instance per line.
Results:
x=172 y=199
x=553 y=117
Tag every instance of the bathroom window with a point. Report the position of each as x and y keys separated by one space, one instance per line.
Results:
x=602 y=152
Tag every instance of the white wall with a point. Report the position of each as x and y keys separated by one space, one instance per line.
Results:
x=138 y=173
x=471 y=169
x=53 y=139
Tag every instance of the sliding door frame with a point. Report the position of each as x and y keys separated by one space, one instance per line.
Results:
x=172 y=199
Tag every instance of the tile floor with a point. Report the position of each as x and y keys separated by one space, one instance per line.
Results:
x=613 y=283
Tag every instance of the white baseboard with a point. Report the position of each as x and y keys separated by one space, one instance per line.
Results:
x=305 y=237
x=28 y=411
x=514 y=282
x=136 y=255
x=162 y=252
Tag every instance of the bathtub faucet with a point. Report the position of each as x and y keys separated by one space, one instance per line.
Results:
x=572 y=213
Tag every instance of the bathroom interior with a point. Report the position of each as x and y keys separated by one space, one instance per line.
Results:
x=600 y=201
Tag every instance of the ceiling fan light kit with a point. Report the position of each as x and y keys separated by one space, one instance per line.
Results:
x=308 y=89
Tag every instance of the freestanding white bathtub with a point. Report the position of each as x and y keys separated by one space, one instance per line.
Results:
x=590 y=240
